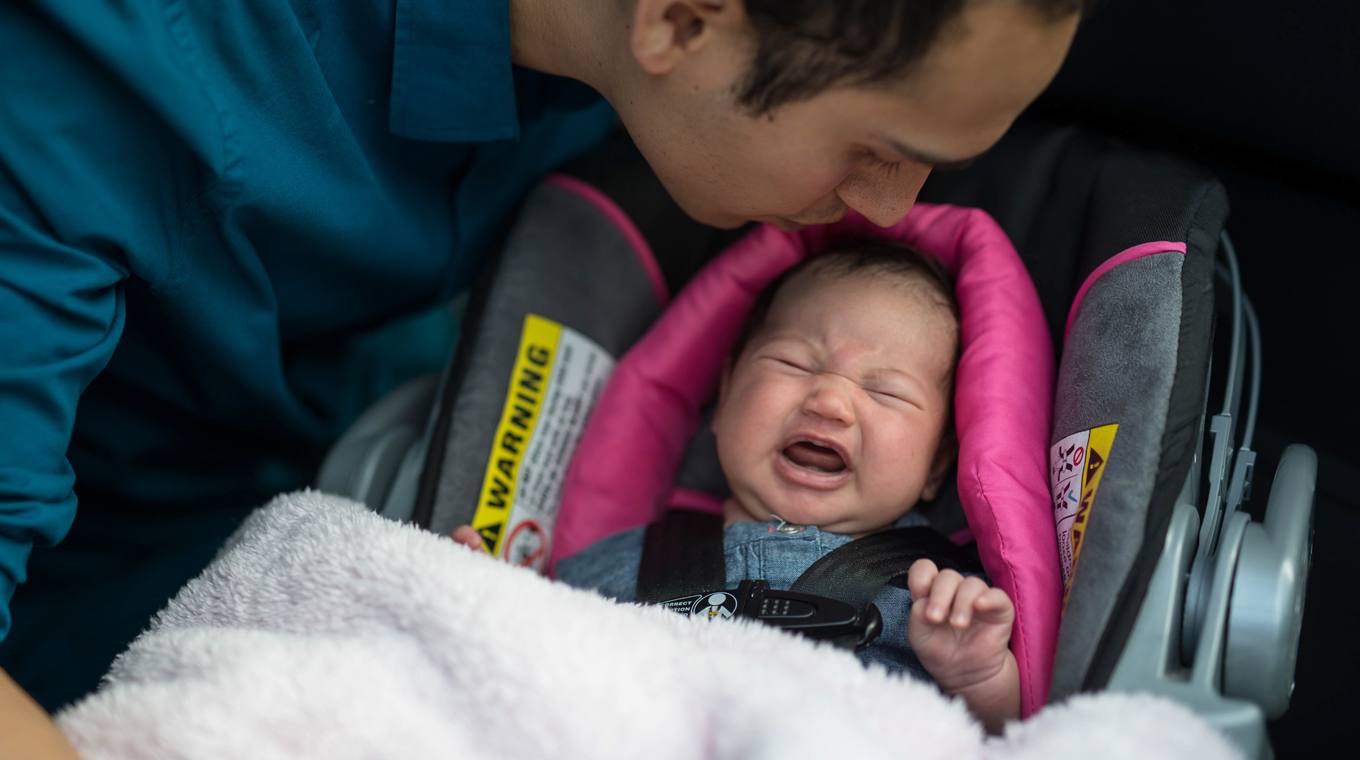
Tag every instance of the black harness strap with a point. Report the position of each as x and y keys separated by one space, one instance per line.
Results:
x=683 y=567
x=682 y=554
x=856 y=572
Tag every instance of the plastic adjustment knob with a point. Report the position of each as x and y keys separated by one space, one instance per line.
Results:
x=1269 y=583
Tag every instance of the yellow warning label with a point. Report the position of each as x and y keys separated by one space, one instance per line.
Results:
x=523 y=402
x=1077 y=464
x=1097 y=454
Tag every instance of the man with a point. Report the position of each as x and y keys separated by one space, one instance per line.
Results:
x=202 y=203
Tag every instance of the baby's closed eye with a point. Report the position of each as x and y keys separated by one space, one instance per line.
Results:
x=892 y=394
x=789 y=361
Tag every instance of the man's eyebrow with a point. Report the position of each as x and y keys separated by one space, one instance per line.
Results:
x=934 y=162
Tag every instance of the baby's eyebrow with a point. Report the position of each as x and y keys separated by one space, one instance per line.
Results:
x=890 y=375
x=783 y=339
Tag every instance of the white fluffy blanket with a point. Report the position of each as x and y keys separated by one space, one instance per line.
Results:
x=324 y=631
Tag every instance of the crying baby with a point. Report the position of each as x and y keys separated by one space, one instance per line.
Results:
x=834 y=415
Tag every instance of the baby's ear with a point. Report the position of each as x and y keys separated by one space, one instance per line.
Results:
x=945 y=455
x=724 y=380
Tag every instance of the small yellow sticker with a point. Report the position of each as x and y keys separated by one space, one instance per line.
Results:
x=1077 y=464
x=523 y=403
x=1097 y=454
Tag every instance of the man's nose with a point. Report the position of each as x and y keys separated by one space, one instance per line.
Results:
x=884 y=198
x=831 y=401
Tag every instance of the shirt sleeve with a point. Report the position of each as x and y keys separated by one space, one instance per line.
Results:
x=61 y=314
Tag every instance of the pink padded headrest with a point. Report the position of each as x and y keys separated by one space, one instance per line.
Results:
x=625 y=467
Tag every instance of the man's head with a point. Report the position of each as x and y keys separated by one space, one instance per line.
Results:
x=835 y=409
x=792 y=111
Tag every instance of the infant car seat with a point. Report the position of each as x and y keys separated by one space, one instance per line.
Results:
x=1120 y=245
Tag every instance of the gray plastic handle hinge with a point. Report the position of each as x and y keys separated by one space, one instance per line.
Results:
x=1211 y=529
x=1239 y=488
x=1151 y=659
x=1221 y=430
x=1266 y=611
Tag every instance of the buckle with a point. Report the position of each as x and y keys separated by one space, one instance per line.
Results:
x=817 y=617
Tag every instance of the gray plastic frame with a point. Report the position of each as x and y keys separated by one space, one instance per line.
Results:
x=1218 y=629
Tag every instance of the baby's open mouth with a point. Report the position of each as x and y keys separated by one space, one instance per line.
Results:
x=817 y=458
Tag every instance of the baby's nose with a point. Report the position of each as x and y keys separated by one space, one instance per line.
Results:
x=830 y=402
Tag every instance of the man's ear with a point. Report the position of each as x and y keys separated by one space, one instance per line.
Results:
x=665 y=32
x=723 y=382
x=945 y=456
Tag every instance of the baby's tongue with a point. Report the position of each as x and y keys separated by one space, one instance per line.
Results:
x=815 y=457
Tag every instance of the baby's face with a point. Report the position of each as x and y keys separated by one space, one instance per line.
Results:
x=834 y=413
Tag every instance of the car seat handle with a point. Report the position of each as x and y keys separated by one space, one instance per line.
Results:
x=1266 y=610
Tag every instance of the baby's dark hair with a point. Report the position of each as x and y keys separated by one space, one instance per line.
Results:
x=923 y=273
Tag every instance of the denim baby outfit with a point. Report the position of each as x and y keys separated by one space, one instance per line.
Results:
x=755 y=551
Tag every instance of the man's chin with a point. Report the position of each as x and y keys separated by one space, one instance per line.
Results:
x=704 y=213
x=795 y=224
x=805 y=220
x=728 y=221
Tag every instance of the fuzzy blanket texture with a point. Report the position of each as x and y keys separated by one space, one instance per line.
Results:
x=325 y=631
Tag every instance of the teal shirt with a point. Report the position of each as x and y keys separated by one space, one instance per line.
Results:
x=201 y=203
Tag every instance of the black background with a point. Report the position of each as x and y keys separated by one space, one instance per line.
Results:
x=1267 y=94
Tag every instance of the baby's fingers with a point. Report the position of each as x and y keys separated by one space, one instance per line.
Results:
x=919 y=578
x=468 y=537
x=942 y=596
x=970 y=591
x=994 y=608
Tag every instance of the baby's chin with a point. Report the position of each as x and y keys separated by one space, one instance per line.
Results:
x=735 y=511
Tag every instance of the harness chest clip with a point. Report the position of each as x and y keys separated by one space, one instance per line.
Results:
x=817 y=617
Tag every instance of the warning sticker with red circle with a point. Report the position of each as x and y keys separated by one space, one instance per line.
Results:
x=1076 y=464
x=558 y=376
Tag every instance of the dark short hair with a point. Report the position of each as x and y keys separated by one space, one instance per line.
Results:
x=923 y=273
x=803 y=47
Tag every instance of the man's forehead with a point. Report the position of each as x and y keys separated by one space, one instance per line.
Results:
x=960 y=98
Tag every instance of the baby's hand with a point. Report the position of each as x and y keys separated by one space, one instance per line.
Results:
x=960 y=628
x=468 y=537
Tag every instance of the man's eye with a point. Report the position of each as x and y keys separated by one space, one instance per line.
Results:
x=887 y=167
x=793 y=364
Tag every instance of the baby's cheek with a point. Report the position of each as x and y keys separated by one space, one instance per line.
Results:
x=735 y=445
x=751 y=414
x=896 y=466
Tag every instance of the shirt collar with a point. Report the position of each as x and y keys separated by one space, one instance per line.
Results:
x=451 y=75
x=452 y=80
